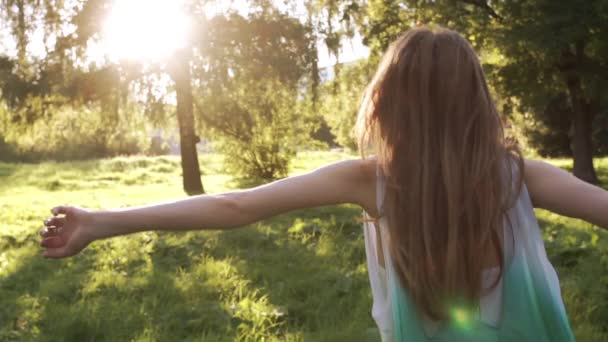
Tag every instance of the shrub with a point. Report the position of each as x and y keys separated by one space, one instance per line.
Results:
x=340 y=103
x=258 y=124
x=68 y=133
x=548 y=131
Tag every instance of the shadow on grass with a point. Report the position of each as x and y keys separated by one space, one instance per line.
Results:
x=566 y=248
x=309 y=265
x=82 y=299
x=194 y=309
x=6 y=170
x=29 y=295
x=580 y=258
x=602 y=174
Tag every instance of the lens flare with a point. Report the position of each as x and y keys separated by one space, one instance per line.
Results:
x=462 y=318
x=145 y=29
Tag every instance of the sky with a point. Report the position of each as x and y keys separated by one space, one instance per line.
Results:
x=131 y=31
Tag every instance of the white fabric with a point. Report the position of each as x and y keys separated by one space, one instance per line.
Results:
x=490 y=304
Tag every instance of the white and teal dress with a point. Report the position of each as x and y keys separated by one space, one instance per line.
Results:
x=526 y=305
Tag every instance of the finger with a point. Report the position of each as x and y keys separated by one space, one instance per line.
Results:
x=62 y=209
x=55 y=221
x=49 y=231
x=52 y=242
x=56 y=253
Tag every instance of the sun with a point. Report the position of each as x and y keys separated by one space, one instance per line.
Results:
x=145 y=30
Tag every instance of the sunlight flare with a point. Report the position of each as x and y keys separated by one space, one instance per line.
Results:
x=145 y=30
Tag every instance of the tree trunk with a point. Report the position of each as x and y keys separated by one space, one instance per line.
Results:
x=581 y=141
x=21 y=33
x=179 y=71
x=315 y=78
x=582 y=147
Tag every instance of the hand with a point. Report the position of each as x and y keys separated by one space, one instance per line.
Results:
x=67 y=232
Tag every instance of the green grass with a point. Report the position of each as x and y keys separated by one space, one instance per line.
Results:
x=298 y=277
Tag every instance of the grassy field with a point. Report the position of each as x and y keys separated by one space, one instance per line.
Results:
x=298 y=277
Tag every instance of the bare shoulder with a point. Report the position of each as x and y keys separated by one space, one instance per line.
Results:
x=357 y=170
x=359 y=176
x=367 y=171
x=533 y=169
x=363 y=169
x=535 y=166
x=541 y=178
x=541 y=174
x=541 y=171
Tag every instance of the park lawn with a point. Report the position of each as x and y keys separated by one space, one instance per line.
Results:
x=297 y=277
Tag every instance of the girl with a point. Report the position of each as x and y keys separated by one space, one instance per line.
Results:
x=453 y=247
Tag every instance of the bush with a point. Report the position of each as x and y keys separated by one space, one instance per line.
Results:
x=68 y=133
x=7 y=151
x=548 y=131
x=258 y=124
x=340 y=102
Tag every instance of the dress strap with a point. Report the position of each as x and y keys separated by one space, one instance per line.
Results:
x=380 y=190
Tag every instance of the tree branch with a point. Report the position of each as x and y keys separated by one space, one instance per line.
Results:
x=483 y=4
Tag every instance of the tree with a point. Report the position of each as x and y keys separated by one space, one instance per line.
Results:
x=333 y=21
x=257 y=124
x=341 y=99
x=249 y=73
x=559 y=47
x=59 y=72
x=179 y=69
x=546 y=48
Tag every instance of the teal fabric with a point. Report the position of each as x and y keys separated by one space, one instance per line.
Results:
x=532 y=307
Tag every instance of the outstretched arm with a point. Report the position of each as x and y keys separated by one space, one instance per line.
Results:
x=71 y=229
x=558 y=191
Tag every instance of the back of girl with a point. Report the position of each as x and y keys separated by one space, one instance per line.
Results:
x=456 y=253
x=453 y=246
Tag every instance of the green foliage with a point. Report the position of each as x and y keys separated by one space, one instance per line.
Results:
x=548 y=47
x=69 y=133
x=266 y=44
x=297 y=277
x=549 y=132
x=257 y=124
x=531 y=49
x=341 y=99
x=248 y=97
x=386 y=21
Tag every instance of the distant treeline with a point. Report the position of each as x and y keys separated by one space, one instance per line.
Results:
x=250 y=83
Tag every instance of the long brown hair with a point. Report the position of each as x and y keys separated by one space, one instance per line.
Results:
x=450 y=174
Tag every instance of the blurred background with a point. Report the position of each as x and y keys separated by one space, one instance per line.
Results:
x=100 y=78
